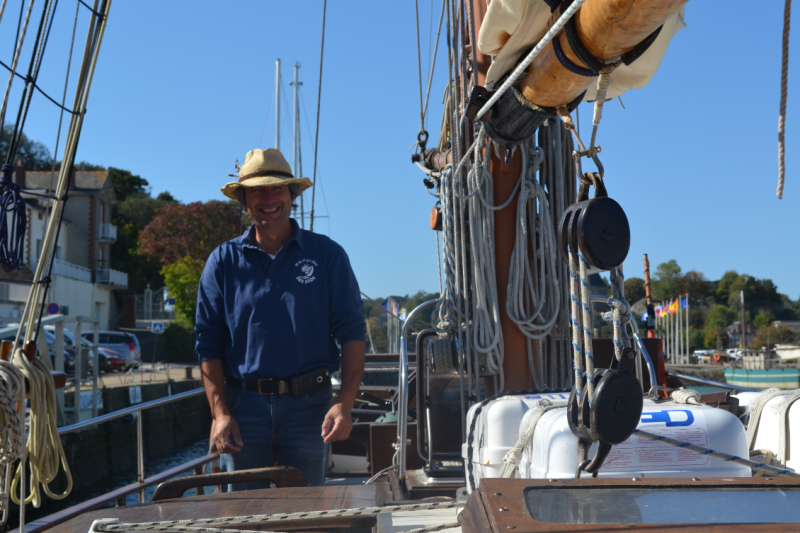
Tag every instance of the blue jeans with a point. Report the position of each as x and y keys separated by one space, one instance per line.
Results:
x=279 y=429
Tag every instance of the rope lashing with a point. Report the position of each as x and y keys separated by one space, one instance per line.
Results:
x=686 y=396
x=755 y=413
x=513 y=458
x=787 y=19
x=13 y=222
x=772 y=470
x=600 y=99
x=182 y=525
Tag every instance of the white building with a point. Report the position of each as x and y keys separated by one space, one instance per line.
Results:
x=82 y=278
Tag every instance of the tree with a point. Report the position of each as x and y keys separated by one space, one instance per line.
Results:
x=720 y=316
x=634 y=289
x=34 y=155
x=126 y=184
x=769 y=336
x=191 y=230
x=694 y=284
x=182 y=279
x=667 y=280
x=765 y=317
x=724 y=285
x=131 y=215
x=714 y=336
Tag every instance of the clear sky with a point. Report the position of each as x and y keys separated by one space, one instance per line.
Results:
x=184 y=88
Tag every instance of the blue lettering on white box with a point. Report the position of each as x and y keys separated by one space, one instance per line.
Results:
x=665 y=416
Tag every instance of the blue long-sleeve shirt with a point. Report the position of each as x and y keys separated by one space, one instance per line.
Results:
x=276 y=318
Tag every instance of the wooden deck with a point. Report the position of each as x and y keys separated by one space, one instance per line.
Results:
x=266 y=501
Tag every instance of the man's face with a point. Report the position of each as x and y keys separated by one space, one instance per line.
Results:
x=269 y=207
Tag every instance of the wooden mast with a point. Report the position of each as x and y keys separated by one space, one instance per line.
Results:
x=607 y=29
x=515 y=354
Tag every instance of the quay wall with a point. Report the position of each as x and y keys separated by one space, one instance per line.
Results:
x=110 y=448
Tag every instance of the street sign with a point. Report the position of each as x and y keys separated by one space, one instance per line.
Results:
x=170 y=301
x=52 y=308
x=158 y=328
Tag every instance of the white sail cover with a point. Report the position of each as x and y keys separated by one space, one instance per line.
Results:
x=512 y=27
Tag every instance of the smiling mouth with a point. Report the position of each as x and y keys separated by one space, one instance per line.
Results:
x=269 y=211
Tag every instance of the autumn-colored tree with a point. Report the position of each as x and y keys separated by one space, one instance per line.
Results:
x=191 y=230
x=769 y=336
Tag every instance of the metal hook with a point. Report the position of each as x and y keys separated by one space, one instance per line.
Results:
x=581 y=466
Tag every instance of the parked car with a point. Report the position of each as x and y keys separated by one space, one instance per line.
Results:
x=111 y=360
x=125 y=343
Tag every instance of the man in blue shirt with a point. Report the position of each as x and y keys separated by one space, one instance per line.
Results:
x=270 y=307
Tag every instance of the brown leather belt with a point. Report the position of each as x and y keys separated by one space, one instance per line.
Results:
x=297 y=386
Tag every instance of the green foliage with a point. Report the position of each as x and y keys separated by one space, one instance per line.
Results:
x=765 y=317
x=667 y=280
x=724 y=286
x=34 y=155
x=130 y=216
x=182 y=279
x=720 y=316
x=697 y=339
x=634 y=289
x=178 y=341
x=714 y=335
x=126 y=184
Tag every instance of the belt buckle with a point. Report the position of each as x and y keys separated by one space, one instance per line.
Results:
x=281 y=387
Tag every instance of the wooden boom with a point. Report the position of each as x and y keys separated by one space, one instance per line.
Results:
x=607 y=29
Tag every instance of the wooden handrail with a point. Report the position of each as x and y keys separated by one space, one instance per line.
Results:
x=47 y=522
x=282 y=476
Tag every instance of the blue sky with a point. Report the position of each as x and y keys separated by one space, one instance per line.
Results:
x=185 y=88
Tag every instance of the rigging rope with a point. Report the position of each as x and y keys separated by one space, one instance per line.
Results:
x=319 y=101
x=190 y=524
x=787 y=19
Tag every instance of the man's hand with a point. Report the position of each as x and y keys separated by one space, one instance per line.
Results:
x=225 y=434
x=337 y=424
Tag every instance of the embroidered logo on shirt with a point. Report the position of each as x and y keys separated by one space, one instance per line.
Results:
x=307 y=268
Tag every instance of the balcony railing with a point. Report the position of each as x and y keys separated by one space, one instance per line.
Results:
x=108 y=233
x=109 y=276
x=69 y=270
x=12 y=292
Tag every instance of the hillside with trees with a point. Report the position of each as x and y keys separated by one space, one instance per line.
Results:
x=715 y=305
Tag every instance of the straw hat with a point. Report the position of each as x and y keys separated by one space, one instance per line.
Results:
x=264 y=168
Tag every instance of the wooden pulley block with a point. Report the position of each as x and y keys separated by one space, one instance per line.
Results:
x=597 y=228
x=436 y=218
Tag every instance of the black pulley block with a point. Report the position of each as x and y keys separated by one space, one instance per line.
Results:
x=514 y=119
x=613 y=414
x=597 y=228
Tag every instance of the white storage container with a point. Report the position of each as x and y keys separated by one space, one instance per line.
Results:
x=768 y=434
x=554 y=451
x=496 y=432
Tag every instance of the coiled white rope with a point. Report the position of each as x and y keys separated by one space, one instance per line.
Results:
x=533 y=300
x=12 y=428
x=43 y=451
